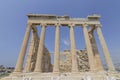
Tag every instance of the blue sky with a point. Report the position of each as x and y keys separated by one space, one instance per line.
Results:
x=13 y=21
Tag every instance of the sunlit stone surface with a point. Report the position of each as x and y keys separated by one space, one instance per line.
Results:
x=71 y=64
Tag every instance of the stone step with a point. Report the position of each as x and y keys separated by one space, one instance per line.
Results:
x=60 y=78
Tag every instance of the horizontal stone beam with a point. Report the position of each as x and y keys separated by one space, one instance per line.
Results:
x=63 y=23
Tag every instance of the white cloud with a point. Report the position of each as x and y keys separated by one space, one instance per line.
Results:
x=66 y=42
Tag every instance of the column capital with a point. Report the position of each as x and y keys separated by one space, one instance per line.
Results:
x=71 y=25
x=98 y=25
x=84 y=25
x=43 y=24
x=29 y=24
x=57 y=24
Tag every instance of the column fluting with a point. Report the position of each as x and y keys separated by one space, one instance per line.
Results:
x=20 y=61
x=38 y=67
x=89 y=48
x=105 y=49
x=57 y=50
x=73 y=49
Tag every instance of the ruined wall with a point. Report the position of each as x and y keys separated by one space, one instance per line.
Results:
x=66 y=61
x=82 y=59
x=46 y=64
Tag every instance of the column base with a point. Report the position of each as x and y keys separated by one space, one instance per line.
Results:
x=75 y=72
x=37 y=72
x=56 y=73
x=112 y=71
x=15 y=73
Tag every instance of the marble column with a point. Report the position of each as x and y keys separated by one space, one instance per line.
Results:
x=105 y=49
x=38 y=67
x=31 y=52
x=89 y=48
x=73 y=49
x=34 y=56
x=95 y=51
x=57 y=50
x=20 y=61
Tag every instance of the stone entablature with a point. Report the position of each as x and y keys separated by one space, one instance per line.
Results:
x=51 y=20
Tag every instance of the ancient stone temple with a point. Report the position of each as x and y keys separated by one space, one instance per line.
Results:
x=70 y=64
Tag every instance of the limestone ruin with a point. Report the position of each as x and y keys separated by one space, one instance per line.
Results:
x=70 y=64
